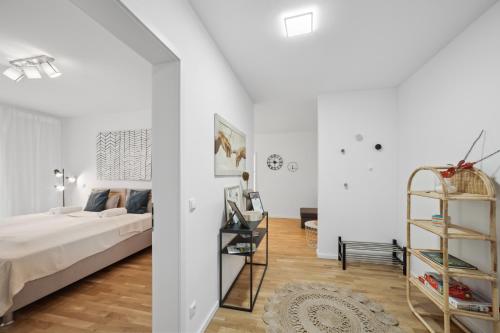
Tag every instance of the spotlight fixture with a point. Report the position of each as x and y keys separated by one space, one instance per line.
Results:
x=14 y=74
x=31 y=72
x=50 y=69
x=31 y=68
x=299 y=24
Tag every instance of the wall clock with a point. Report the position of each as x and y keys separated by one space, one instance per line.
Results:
x=293 y=166
x=274 y=162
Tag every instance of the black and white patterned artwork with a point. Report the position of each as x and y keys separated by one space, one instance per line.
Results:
x=124 y=155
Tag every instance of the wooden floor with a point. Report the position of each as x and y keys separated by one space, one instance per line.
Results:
x=291 y=260
x=117 y=299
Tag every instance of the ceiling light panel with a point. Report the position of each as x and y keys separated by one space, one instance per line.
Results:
x=299 y=24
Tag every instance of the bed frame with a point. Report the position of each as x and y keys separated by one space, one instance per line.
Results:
x=37 y=289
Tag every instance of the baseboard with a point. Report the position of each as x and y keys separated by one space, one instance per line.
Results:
x=325 y=255
x=209 y=317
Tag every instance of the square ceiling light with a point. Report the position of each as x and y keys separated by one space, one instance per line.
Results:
x=299 y=24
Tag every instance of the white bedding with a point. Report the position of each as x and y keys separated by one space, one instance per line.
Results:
x=35 y=246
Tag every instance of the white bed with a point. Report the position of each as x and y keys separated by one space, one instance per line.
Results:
x=39 y=246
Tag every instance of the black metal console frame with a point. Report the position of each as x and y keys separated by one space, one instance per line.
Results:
x=263 y=232
x=386 y=253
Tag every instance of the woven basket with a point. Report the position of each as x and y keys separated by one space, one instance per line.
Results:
x=469 y=181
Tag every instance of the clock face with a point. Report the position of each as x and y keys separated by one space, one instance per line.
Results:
x=293 y=166
x=274 y=162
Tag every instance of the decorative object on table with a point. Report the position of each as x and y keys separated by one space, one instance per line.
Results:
x=61 y=187
x=311 y=233
x=472 y=185
x=319 y=307
x=237 y=216
x=252 y=270
x=252 y=216
x=293 y=166
x=231 y=193
x=372 y=252
x=230 y=152
x=378 y=147
x=274 y=162
x=256 y=201
x=453 y=262
x=245 y=176
x=124 y=155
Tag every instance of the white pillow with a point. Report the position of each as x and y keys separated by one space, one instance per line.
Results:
x=112 y=212
x=64 y=210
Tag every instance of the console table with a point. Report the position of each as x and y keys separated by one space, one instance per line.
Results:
x=254 y=234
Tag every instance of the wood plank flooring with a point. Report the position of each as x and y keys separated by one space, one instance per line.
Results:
x=116 y=299
x=291 y=260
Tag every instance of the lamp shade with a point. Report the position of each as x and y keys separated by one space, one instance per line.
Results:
x=50 y=69
x=14 y=74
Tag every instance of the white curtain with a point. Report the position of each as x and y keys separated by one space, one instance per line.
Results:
x=30 y=150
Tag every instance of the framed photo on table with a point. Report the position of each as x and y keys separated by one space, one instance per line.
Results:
x=256 y=202
x=232 y=193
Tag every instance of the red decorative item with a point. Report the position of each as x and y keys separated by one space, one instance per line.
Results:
x=462 y=164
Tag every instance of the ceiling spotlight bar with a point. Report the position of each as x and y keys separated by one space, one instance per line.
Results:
x=31 y=68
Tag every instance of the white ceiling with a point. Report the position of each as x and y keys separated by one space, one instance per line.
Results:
x=358 y=44
x=100 y=73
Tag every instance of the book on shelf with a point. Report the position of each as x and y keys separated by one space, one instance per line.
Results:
x=255 y=234
x=453 y=262
x=456 y=288
x=240 y=248
x=475 y=303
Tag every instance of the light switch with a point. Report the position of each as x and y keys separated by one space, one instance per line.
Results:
x=192 y=204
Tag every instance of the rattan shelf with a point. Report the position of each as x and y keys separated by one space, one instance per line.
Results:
x=471 y=185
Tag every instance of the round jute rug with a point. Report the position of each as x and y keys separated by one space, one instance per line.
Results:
x=318 y=307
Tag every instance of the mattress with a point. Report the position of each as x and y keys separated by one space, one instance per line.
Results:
x=38 y=245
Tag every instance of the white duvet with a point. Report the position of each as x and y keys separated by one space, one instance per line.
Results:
x=34 y=246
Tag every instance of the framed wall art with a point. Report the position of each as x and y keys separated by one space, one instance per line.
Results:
x=230 y=151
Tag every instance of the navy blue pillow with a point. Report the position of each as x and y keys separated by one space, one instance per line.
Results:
x=97 y=201
x=137 y=202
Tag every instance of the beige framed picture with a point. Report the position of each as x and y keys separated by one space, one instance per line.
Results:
x=230 y=151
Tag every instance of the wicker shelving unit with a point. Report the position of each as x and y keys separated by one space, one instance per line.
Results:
x=471 y=185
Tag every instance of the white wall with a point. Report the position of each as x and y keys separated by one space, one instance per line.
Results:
x=208 y=86
x=79 y=150
x=442 y=108
x=287 y=128
x=283 y=193
x=366 y=211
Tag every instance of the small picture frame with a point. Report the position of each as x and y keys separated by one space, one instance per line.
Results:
x=256 y=202
x=232 y=193
x=237 y=214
